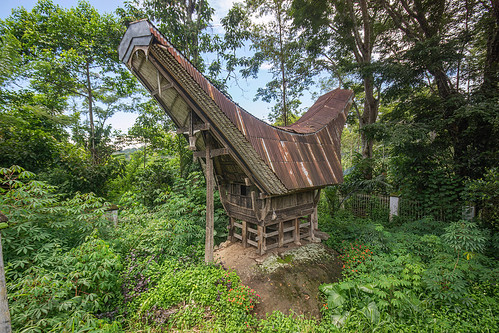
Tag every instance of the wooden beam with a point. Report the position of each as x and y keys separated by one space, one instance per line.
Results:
x=213 y=152
x=315 y=219
x=196 y=128
x=231 y=230
x=281 y=234
x=164 y=87
x=244 y=234
x=192 y=137
x=296 y=233
x=271 y=234
x=261 y=240
x=5 y=321
x=192 y=144
x=208 y=250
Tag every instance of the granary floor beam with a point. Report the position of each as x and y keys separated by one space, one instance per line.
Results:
x=213 y=152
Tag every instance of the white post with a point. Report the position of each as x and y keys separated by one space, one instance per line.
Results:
x=394 y=207
x=468 y=213
x=5 y=326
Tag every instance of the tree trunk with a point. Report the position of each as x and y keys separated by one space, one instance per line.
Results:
x=369 y=115
x=491 y=70
x=283 y=70
x=91 y=115
x=362 y=35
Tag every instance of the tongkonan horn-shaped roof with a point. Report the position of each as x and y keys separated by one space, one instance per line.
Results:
x=278 y=160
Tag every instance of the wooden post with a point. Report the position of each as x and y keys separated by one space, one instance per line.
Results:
x=281 y=234
x=231 y=230
x=314 y=225
x=208 y=249
x=311 y=228
x=315 y=219
x=296 y=234
x=261 y=240
x=244 y=234
x=5 y=326
x=264 y=240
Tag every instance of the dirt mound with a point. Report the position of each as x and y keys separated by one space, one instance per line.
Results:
x=286 y=279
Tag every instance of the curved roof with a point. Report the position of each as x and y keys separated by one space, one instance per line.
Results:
x=303 y=155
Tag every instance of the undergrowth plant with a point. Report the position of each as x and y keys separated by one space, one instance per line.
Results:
x=418 y=271
x=190 y=296
x=60 y=274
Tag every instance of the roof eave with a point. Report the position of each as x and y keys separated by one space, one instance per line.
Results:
x=137 y=34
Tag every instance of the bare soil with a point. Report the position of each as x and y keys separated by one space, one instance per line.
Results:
x=287 y=279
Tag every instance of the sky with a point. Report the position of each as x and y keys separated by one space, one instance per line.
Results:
x=242 y=91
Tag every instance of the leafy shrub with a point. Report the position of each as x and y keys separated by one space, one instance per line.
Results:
x=387 y=283
x=425 y=279
x=175 y=226
x=57 y=276
x=464 y=237
x=484 y=192
x=425 y=226
x=448 y=278
x=40 y=223
x=278 y=322
x=187 y=293
x=343 y=226
x=82 y=283
x=151 y=234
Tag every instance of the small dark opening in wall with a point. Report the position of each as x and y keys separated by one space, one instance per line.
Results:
x=244 y=190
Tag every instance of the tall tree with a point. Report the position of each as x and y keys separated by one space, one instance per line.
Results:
x=268 y=26
x=451 y=48
x=343 y=36
x=188 y=25
x=184 y=23
x=72 y=53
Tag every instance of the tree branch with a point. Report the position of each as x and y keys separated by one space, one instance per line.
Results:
x=355 y=32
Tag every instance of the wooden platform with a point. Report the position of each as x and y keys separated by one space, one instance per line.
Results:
x=272 y=235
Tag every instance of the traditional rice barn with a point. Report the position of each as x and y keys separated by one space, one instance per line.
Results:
x=269 y=178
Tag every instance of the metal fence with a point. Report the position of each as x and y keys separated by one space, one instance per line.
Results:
x=385 y=207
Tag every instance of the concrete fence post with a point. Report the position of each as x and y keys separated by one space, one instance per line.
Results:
x=394 y=207
x=468 y=213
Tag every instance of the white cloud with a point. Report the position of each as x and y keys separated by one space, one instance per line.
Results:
x=221 y=9
x=222 y=5
x=266 y=66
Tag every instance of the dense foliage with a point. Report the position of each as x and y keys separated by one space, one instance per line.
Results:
x=412 y=276
x=69 y=267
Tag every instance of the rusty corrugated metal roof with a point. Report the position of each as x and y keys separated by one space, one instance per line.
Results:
x=303 y=155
